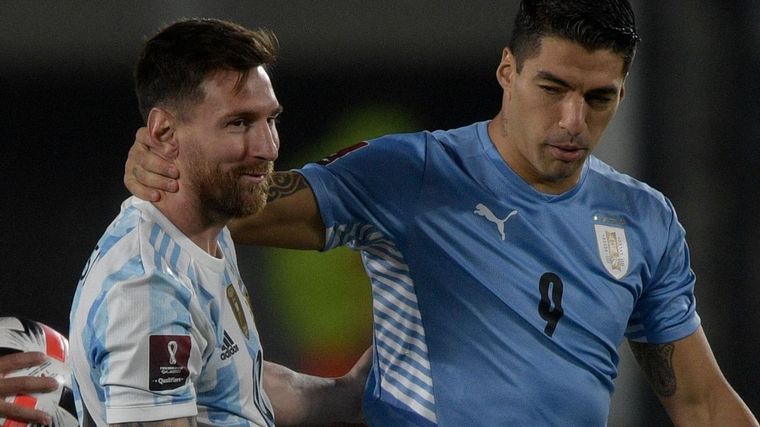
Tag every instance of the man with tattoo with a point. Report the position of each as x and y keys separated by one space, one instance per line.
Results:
x=507 y=263
x=162 y=332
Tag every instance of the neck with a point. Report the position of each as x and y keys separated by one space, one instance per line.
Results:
x=199 y=226
x=497 y=131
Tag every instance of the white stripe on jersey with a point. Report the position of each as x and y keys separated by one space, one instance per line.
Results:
x=399 y=335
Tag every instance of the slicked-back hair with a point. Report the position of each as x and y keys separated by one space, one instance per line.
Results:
x=594 y=24
x=174 y=63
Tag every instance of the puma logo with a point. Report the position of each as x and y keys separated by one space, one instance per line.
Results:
x=483 y=211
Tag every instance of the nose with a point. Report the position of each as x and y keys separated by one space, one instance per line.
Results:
x=573 y=115
x=265 y=144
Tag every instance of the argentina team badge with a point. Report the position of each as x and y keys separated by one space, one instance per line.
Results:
x=612 y=244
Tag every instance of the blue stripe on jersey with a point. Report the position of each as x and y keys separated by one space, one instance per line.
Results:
x=400 y=345
x=175 y=257
x=94 y=336
x=118 y=229
x=227 y=384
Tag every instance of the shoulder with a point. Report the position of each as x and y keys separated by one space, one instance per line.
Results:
x=405 y=147
x=618 y=186
x=139 y=242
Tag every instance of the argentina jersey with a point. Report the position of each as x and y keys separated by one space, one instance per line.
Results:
x=495 y=304
x=160 y=329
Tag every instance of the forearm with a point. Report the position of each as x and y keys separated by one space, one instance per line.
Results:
x=722 y=407
x=685 y=376
x=290 y=218
x=305 y=399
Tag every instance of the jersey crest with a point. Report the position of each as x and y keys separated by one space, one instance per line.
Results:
x=237 y=309
x=613 y=249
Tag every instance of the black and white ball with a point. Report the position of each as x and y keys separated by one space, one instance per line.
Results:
x=20 y=335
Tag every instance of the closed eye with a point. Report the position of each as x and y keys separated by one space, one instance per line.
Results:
x=599 y=101
x=551 y=90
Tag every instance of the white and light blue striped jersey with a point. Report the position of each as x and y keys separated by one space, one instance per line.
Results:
x=161 y=329
x=495 y=304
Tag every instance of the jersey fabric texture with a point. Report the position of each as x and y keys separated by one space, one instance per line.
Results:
x=495 y=304
x=160 y=329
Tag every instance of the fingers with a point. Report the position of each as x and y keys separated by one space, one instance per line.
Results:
x=23 y=385
x=21 y=413
x=26 y=385
x=146 y=174
x=14 y=361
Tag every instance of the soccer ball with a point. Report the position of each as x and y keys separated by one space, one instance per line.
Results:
x=20 y=335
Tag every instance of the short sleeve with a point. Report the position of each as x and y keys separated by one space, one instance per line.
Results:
x=144 y=352
x=368 y=189
x=666 y=310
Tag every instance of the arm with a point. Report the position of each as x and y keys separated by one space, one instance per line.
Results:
x=689 y=383
x=289 y=220
x=299 y=398
x=25 y=385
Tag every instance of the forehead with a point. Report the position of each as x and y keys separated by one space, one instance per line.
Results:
x=572 y=62
x=228 y=90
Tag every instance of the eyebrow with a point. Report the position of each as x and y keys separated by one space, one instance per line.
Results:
x=604 y=90
x=247 y=113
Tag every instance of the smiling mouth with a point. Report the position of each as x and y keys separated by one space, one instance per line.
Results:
x=254 y=176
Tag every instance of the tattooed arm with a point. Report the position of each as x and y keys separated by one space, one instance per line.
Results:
x=290 y=218
x=689 y=383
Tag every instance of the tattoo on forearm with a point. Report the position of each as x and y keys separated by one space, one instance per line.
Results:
x=284 y=184
x=657 y=363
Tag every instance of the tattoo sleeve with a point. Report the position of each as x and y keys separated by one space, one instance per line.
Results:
x=284 y=184
x=656 y=360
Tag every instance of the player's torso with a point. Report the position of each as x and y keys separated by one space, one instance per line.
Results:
x=229 y=387
x=212 y=307
x=524 y=301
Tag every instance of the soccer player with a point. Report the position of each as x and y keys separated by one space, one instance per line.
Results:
x=162 y=331
x=507 y=262
x=26 y=385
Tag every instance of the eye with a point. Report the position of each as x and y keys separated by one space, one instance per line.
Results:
x=551 y=90
x=599 y=101
x=273 y=120
x=238 y=123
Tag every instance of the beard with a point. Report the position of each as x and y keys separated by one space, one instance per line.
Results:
x=222 y=195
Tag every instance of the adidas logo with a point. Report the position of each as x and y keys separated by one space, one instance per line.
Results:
x=228 y=347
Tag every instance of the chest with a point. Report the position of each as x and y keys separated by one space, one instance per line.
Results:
x=582 y=264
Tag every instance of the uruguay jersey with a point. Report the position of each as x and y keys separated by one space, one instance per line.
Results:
x=495 y=304
x=161 y=329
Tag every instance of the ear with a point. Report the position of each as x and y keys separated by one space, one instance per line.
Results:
x=506 y=70
x=162 y=132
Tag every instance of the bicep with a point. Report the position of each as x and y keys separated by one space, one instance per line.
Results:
x=290 y=218
x=176 y=422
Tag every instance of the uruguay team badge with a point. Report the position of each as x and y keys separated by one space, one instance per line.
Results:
x=613 y=249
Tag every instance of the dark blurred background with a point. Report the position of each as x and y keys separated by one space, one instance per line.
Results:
x=352 y=70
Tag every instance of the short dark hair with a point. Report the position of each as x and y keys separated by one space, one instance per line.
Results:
x=594 y=24
x=173 y=63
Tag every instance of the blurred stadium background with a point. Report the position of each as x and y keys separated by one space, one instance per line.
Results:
x=352 y=70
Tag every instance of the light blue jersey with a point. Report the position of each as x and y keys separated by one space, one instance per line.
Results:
x=495 y=304
x=160 y=329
